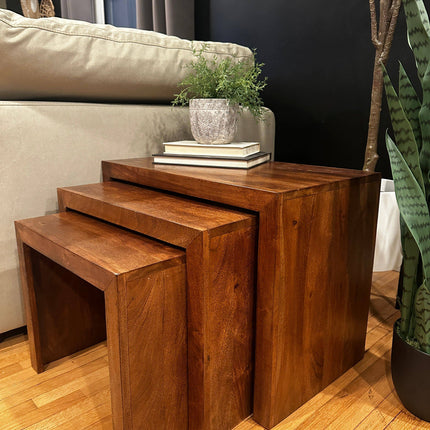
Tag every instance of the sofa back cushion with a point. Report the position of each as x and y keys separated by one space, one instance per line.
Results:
x=60 y=59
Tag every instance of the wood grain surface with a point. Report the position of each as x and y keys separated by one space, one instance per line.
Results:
x=71 y=312
x=220 y=247
x=316 y=237
x=320 y=327
x=94 y=251
x=173 y=219
x=250 y=189
x=156 y=334
x=143 y=283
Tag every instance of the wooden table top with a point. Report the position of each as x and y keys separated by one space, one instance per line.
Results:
x=271 y=177
x=155 y=205
x=115 y=251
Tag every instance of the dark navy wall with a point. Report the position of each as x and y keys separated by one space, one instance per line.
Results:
x=319 y=60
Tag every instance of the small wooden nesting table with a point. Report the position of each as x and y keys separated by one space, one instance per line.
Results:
x=317 y=228
x=74 y=267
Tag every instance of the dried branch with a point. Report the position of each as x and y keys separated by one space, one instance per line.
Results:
x=388 y=14
x=374 y=24
x=384 y=20
x=395 y=9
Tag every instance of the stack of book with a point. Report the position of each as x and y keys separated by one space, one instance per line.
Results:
x=239 y=155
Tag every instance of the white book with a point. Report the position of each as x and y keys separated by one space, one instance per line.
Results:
x=191 y=147
x=209 y=161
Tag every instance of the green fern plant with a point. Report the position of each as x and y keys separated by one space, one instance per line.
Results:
x=235 y=80
x=410 y=165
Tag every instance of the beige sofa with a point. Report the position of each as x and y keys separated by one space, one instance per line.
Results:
x=47 y=144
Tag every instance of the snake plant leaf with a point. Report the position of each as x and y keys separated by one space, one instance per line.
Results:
x=411 y=256
x=405 y=139
x=422 y=318
x=424 y=117
x=412 y=203
x=411 y=104
x=418 y=33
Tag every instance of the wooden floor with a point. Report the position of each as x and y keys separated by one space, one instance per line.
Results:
x=74 y=392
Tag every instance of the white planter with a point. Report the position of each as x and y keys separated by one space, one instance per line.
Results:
x=388 y=247
x=213 y=121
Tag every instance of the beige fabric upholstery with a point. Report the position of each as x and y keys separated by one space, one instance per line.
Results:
x=61 y=59
x=45 y=145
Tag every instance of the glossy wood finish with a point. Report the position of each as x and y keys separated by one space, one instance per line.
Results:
x=173 y=219
x=251 y=189
x=316 y=237
x=220 y=252
x=144 y=287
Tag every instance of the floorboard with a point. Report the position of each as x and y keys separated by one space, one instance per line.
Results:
x=73 y=393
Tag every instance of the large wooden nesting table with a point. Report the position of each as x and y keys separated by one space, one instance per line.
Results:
x=316 y=232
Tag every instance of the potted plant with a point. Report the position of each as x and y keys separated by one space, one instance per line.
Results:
x=410 y=164
x=216 y=91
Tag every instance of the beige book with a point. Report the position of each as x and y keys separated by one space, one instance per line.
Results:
x=191 y=147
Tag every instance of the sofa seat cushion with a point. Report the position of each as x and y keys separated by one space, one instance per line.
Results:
x=60 y=59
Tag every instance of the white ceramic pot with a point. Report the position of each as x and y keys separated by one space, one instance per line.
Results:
x=388 y=246
x=213 y=121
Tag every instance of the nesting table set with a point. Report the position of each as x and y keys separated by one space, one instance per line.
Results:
x=222 y=293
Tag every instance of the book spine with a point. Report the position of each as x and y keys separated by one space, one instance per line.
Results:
x=214 y=152
x=185 y=151
x=249 y=151
x=200 y=164
x=211 y=162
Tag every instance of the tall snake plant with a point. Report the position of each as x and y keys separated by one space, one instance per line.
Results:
x=410 y=165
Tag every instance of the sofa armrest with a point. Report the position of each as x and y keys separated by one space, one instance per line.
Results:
x=45 y=145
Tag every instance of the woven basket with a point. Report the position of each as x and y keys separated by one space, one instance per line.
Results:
x=32 y=8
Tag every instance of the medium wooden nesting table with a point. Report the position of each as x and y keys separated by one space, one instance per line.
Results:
x=179 y=322
x=316 y=233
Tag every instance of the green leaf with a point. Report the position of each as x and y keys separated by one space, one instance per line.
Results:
x=229 y=78
x=411 y=104
x=424 y=118
x=411 y=257
x=422 y=317
x=418 y=33
x=412 y=203
x=405 y=139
